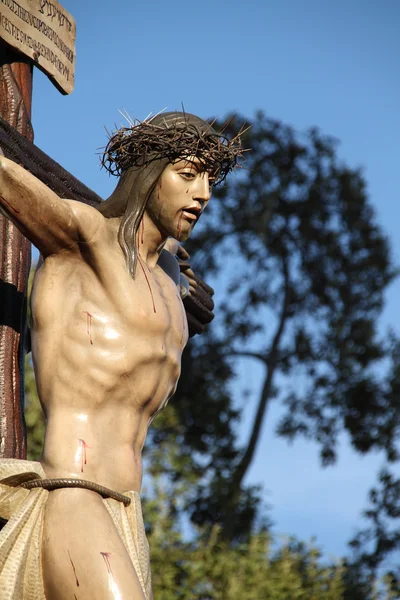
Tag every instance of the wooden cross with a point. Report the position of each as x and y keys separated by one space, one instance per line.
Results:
x=37 y=33
x=15 y=114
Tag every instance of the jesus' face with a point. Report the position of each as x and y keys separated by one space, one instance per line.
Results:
x=180 y=196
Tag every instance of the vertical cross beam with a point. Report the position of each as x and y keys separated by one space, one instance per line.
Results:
x=15 y=262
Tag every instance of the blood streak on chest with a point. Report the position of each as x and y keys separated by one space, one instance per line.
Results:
x=148 y=282
x=83 y=446
x=89 y=325
x=73 y=567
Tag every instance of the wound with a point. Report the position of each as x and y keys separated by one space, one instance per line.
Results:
x=148 y=282
x=89 y=325
x=106 y=557
x=83 y=446
x=10 y=206
x=73 y=567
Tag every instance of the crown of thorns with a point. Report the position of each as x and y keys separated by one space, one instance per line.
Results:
x=144 y=142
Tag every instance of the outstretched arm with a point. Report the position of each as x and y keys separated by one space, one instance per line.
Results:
x=49 y=222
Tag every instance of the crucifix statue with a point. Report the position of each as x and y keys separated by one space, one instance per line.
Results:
x=111 y=314
x=108 y=331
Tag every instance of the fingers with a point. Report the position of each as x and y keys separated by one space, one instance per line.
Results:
x=195 y=327
x=182 y=254
x=200 y=283
x=195 y=306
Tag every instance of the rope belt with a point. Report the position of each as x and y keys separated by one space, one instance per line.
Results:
x=55 y=484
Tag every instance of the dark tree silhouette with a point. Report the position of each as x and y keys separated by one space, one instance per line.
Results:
x=304 y=264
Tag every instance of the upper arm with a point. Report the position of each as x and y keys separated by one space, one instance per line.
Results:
x=51 y=223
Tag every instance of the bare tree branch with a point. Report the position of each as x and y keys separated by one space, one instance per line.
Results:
x=271 y=361
x=247 y=354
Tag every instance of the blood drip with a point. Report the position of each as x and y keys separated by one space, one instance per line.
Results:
x=148 y=283
x=73 y=566
x=10 y=205
x=142 y=232
x=106 y=557
x=178 y=231
x=83 y=453
x=89 y=325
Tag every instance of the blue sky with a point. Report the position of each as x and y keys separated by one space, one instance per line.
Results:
x=334 y=65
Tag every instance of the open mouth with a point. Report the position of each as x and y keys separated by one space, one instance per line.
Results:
x=192 y=212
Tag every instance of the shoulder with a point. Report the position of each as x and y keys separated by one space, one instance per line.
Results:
x=89 y=220
x=7 y=165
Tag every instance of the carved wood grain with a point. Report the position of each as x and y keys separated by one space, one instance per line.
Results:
x=15 y=262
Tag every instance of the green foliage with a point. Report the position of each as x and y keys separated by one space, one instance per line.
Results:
x=248 y=571
x=206 y=568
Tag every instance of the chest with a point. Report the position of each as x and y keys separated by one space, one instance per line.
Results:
x=149 y=303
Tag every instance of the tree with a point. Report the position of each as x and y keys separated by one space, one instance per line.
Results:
x=380 y=537
x=306 y=265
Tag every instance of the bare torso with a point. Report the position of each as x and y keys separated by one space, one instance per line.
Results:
x=107 y=353
x=106 y=350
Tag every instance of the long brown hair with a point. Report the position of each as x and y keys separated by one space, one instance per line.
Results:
x=128 y=201
x=140 y=153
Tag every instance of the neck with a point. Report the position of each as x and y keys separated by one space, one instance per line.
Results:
x=150 y=241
